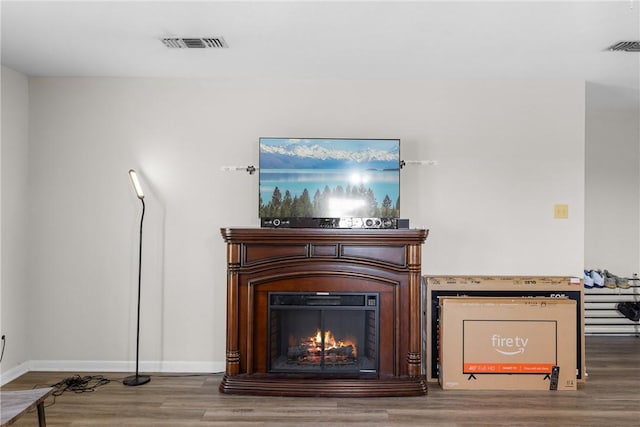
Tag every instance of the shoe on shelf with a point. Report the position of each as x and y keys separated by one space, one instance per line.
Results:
x=613 y=281
x=630 y=310
x=598 y=279
x=588 y=280
x=609 y=280
x=622 y=283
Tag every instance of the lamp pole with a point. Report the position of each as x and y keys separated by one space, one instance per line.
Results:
x=138 y=379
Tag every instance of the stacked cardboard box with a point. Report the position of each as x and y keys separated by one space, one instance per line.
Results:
x=507 y=344
x=436 y=287
x=503 y=280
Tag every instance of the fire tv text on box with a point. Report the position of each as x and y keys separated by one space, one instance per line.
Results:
x=509 y=346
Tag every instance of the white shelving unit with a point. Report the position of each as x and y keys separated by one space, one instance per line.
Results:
x=601 y=316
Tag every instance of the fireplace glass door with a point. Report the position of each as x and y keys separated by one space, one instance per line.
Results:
x=323 y=333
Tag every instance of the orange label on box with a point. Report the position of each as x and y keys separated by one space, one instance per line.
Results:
x=508 y=368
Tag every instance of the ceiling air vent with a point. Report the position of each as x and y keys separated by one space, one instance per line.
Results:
x=633 y=46
x=195 y=43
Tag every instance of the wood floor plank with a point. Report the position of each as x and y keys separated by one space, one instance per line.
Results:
x=610 y=397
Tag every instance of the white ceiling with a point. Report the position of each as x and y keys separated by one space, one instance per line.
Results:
x=332 y=40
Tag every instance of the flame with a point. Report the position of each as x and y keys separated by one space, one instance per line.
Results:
x=330 y=342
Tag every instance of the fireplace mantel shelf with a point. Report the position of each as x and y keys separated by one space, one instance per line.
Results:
x=385 y=262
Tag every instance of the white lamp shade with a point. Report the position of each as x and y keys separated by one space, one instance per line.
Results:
x=136 y=184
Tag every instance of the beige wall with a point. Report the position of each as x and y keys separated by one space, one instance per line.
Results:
x=507 y=152
x=612 y=199
x=15 y=293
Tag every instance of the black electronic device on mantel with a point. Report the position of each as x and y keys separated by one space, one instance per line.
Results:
x=329 y=182
x=348 y=222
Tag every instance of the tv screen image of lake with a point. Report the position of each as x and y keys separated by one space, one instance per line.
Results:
x=342 y=178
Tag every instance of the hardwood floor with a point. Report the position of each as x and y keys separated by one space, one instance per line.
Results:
x=610 y=397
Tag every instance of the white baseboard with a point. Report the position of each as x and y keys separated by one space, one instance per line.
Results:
x=13 y=373
x=111 y=366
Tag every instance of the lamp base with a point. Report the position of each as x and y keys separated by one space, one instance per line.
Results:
x=134 y=380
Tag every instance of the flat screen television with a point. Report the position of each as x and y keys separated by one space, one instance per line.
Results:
x=329 y=178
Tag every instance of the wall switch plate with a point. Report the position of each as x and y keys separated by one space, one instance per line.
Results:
x=561 y=211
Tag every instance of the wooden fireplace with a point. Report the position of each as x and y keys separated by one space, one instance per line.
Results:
x=319 y=266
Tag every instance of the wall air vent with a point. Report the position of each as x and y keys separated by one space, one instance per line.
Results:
x=630 y=46
x=195 y=43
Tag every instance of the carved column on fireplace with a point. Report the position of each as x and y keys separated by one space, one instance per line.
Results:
x=383 y=266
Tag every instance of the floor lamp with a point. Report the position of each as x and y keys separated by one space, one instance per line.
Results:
x=138 y=379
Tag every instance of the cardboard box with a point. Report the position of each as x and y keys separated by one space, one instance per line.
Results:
x=502 y=280
x=507 y=343
x=436 y=287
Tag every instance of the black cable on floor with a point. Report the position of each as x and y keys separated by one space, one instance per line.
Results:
x=78 y=384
